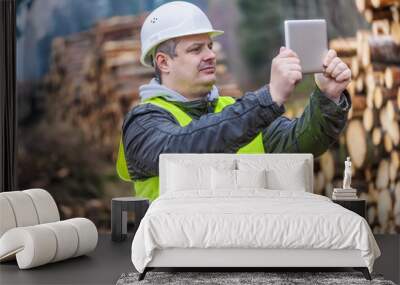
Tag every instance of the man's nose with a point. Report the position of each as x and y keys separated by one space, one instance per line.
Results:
x=210 y=54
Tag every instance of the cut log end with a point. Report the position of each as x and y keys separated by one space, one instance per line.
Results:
x=356 y=142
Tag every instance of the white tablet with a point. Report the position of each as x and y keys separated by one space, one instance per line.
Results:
x=308 y=38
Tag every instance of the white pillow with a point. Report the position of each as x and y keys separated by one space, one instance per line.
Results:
x=186 y=174
x=293 y=180
x=188 y=177
x=230 y=180
x=223 y=179
x=251 y=178
x=281 y=174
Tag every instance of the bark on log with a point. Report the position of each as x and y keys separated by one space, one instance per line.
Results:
x=382 y=49
x=359 y=103
x=344 y=47
x=398 y=98
x=355 y=114
x=383 y=3
x=392 y=77
x=381 y=14
x=382 y=95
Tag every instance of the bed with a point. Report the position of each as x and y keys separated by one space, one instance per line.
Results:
x=247 y=210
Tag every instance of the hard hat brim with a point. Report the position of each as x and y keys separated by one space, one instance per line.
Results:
x=145 y=58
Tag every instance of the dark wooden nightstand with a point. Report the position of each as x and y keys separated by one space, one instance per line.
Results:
x=119 y=215
x=358 y=206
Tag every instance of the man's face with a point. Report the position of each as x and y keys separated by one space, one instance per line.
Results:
x=193 y=69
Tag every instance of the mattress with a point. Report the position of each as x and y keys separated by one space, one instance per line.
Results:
x=251 y=219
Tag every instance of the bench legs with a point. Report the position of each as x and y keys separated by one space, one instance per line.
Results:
x=364 y=271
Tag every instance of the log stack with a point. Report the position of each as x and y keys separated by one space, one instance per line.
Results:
x=94 y=76
x=372 y=135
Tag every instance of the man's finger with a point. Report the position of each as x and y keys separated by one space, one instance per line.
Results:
x=287 y=53
x=339 y=69
x=344 y=76
x=329 y=57
x=290 y=60
x=332 y=65
x=295 y=76
x=294 y=67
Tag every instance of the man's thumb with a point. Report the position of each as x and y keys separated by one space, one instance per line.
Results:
x=282 y=49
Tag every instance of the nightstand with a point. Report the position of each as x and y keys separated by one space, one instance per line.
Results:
x=358 y=206
x=119 y=215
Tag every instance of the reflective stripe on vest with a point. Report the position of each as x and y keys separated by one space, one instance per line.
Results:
x=149 y=187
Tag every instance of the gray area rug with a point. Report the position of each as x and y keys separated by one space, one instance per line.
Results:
x=225 y=278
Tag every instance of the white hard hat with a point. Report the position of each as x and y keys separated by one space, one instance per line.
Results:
x=171 y=20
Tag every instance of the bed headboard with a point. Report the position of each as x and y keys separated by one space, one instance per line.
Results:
x=207 y=157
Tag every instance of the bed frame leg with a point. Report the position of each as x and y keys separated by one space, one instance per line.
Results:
x=364 y=271
x=143 y=274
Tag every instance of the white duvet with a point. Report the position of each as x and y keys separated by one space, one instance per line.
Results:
x=254 y=218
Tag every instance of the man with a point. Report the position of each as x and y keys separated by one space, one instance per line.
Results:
x=181 y=111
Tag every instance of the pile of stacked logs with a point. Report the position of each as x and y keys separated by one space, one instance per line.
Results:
x=94 y=78
x=372 y=136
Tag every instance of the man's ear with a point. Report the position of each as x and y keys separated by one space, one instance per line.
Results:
x=163 y=62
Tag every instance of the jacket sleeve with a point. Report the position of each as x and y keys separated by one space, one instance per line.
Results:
x=149 y=131
x=314 y=131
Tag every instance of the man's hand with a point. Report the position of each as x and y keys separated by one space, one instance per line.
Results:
x=285 y=73
x=336 y=76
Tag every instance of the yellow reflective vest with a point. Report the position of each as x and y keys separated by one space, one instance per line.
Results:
x=149 y=187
